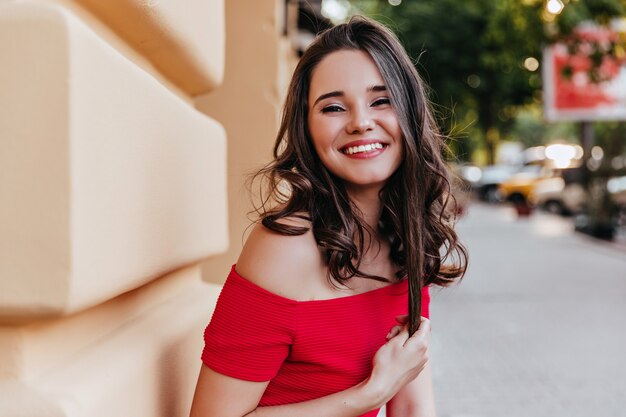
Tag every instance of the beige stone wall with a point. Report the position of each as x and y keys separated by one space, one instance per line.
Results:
x=115 y=186
x=259 y=63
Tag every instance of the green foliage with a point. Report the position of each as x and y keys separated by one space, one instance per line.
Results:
x=530 y=129
x=576 y=12
x=599 y=12
x=611 y=136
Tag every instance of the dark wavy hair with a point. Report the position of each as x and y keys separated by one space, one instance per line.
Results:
x=417 y=217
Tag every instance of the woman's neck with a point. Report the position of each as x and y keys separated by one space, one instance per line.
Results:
x=368 y=205
x=375 y=256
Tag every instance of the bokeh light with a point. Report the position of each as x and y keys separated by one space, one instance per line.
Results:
x=554 y=6
x=597 y=153
x=473 y=81
x=562 y=155
x=336 y=10
x=531 y=64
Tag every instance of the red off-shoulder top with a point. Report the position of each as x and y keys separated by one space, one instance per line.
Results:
x=306 y=349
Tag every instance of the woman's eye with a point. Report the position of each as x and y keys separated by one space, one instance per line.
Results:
x=381 y=102
x=332 y=109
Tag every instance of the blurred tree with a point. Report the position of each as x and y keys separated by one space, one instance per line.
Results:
x=530 y=129
x=601 y=12
x=562 y=28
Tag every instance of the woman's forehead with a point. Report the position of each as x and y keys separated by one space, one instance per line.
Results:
x=345 y=70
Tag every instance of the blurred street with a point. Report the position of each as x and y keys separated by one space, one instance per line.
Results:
x=538 y=326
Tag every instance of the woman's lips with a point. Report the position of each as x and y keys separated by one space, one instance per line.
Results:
x=363 y=149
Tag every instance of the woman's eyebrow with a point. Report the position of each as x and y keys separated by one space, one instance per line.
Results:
x=377 y=88
x=327 y=95
x=374 y=88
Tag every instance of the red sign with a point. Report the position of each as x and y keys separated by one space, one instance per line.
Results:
x=574 y=89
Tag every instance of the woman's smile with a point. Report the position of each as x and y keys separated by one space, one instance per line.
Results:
x=363 y=149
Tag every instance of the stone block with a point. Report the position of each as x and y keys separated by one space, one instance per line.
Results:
x=138 y=354
x=107 y=178
x=185 y=42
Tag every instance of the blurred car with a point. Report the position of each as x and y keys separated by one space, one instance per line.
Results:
x=616 y=187
x=562 y=193
x=543 y=180
x=520 y=185
x=485 y=181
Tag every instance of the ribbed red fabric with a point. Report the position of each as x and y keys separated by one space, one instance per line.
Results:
x=306 y=349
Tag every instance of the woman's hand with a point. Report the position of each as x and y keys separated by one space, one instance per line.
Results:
x=395 y=330
x=400 y=360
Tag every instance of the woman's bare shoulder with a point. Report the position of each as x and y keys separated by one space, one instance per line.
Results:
x=285 y=265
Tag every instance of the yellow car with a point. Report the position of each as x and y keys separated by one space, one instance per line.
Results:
x=520 y=186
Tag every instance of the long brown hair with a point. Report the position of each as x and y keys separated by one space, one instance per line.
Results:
x=417 y=217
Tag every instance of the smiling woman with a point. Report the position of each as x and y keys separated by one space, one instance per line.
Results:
x=354 y=128
x=325 y=312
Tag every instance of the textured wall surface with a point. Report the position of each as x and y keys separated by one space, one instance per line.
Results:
x=113 y=189
x=185 y=41
x=111 y=179
x=259 y=63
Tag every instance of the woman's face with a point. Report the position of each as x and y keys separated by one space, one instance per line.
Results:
x=354 y=128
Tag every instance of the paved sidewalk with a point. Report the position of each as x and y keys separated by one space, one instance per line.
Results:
x=538 y=326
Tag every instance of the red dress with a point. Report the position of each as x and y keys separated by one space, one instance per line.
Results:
x=306 y=349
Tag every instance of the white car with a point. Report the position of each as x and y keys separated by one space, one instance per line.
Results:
x=561 y=195
x=558 y=197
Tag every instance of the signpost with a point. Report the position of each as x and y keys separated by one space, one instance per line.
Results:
x=583 y=82
x=573 y=89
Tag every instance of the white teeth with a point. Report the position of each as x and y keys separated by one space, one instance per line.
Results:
x=363 y=148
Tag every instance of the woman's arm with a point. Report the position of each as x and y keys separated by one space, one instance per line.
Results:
x=396 y=364
x=219 y=395
x=415 y=399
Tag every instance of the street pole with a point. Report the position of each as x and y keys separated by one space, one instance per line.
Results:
x=597 y=220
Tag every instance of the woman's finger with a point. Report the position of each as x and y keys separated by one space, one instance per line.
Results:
x=402 y=319
x=399 y=335
x=393 y=332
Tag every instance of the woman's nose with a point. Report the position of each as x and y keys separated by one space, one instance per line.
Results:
x=360 y=121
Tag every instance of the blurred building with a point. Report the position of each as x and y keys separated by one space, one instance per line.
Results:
x=125 y=133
